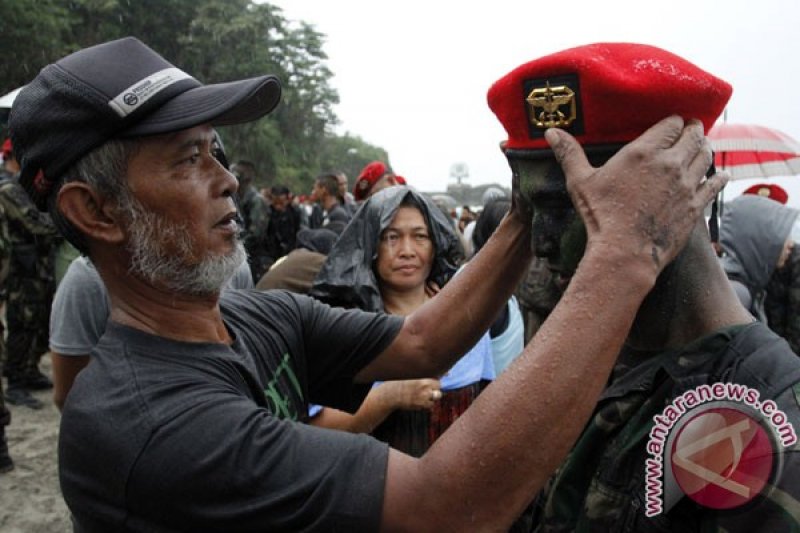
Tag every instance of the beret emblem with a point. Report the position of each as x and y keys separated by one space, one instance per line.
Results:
x=551 y=107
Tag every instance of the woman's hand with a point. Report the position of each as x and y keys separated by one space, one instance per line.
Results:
x=411 y=394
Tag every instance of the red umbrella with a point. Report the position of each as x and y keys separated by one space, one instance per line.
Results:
x=749 y=151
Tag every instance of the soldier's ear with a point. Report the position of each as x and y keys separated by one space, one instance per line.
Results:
x=93 y=214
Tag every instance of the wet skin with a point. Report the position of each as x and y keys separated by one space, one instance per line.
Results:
x=558 y=232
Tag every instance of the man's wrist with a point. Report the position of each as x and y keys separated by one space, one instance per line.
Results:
x=637 y=272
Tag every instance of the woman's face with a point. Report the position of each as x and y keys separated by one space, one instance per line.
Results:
x=405 y=251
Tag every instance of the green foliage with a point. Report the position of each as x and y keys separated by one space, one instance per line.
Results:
x=215 y=41
x=35 y=32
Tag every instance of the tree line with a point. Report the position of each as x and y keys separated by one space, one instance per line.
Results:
x=215 y=42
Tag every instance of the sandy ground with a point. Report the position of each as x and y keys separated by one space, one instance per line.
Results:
x=30 y=499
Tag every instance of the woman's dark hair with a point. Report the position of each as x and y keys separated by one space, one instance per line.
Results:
x=493 y=212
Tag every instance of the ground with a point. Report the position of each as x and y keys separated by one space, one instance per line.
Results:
x=30 y=498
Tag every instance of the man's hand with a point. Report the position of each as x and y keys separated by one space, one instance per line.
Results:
x=646 y=199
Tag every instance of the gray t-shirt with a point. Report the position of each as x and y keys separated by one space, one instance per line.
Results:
x=80 y=307
x=162 y=435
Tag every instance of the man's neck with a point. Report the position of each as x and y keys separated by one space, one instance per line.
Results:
x=140 y=305
x=329 y=202
x=692 y=298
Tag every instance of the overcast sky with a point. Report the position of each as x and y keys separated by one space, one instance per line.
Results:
x=412 y=75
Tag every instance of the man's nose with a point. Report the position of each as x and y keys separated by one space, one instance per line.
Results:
x=228 y=182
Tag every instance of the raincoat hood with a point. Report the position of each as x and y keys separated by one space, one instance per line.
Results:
x=347 y=277
x=752 y=233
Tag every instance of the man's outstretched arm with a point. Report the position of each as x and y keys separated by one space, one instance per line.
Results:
x=639 y=209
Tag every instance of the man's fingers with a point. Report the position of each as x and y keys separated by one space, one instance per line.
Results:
x=663 y=134
x=711 y=187
x=691 y=142
x=700 y=161
x=568 y=153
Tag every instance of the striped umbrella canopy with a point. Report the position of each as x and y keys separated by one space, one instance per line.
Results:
x=751 y=151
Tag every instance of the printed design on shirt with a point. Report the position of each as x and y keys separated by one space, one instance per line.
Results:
x=718 y=444
x=279 y=400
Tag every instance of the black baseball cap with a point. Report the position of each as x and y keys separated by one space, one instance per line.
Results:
x=112 y=90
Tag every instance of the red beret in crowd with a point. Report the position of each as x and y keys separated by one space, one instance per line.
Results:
x=773 y=192
x=368 y=177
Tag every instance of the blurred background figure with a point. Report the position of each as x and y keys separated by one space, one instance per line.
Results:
x=346 y=198
x=328 y=206
x=296 y=271
x=28 y=288
x=507 y=334
x=284 y=220
x=255 y=218
x=375 y=177
x=782 y=300
x=6 y=464
x=756 y=239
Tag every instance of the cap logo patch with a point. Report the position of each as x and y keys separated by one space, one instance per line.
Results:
x=553 y=103
x=763 y=191
x=140 y=92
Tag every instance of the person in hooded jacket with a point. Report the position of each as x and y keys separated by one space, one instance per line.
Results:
x=755 y=235
x=395 y=254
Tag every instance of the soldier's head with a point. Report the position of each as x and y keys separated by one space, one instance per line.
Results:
x=605 y=95
x=341 y=178
x=374 y=177
x=280 y=197
x=124 y=156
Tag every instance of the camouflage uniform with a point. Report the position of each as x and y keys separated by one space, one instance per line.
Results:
x=601 y=485
x=5 y=415
x=256 y=220
x=537 y=296
x=29 y=287
x=782 y=304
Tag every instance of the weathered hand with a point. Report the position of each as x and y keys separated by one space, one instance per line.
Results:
x=647 y=198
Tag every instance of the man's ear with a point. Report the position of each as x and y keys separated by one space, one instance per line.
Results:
x=93 y=214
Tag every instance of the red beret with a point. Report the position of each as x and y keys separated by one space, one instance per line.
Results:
x=368 y=177
x=603 y=93
x=773 y=192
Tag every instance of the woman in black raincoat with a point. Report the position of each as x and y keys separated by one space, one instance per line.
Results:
x=396 y=252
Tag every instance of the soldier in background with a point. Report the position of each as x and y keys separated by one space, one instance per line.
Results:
x=6 y=464
x=29 y=287
x=255 y=217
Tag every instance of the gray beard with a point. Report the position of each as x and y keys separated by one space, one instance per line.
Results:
x=150 y=261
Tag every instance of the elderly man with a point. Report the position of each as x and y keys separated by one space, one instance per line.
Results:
x=189 y=416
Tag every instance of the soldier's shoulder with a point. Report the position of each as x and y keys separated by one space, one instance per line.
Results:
x=13 y=191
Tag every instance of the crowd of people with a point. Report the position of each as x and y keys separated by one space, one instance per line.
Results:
x=231 y=358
